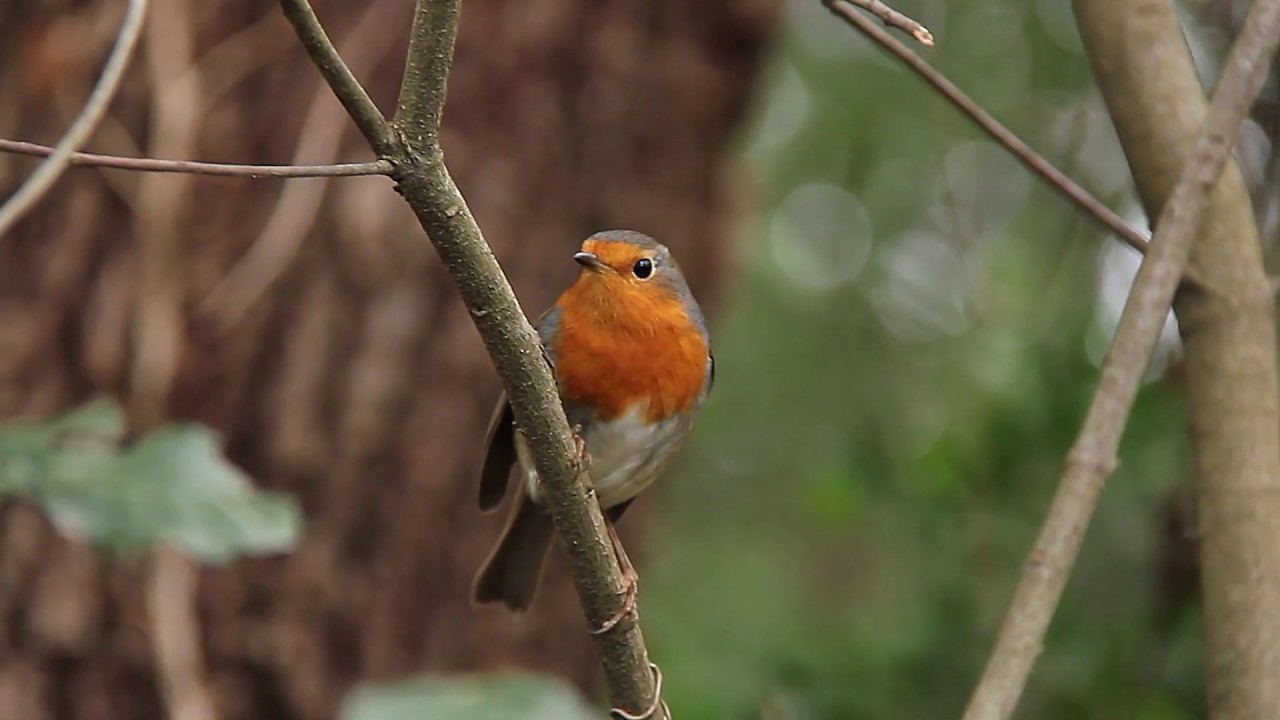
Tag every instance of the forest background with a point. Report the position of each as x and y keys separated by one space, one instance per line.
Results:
x=908 y=328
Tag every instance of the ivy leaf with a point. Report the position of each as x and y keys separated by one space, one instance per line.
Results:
x=510 y=697
x=171 y=487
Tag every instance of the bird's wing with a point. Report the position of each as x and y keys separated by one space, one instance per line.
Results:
x=499 y=455
x=500 y=443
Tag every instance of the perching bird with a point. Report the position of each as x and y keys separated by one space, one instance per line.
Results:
x=632 y=359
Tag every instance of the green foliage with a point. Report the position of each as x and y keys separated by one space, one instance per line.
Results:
x=513 y=697
x=171 y=487
x=899 y=379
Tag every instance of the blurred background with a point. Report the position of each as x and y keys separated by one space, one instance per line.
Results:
x=907 y=328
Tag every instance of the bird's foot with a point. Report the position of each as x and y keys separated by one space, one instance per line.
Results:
x=656 y=704
x=631 y=581
x=629 y=607
x=580 y=449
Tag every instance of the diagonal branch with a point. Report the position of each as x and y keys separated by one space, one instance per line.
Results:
x=1149 y=80
x=366 y=115
x=411 y=143
x=1093 y=456
x=193 y=167
x=1033 y=161
x=426 y=71
x=43 y=178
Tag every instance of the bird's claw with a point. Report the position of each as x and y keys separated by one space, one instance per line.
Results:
x=580 y=449
x=630 y=578
x=658 y=702
x=630 y=607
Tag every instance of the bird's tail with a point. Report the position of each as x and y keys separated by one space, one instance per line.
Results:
x=510 y=575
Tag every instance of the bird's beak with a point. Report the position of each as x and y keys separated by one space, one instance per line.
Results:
x=590 y=261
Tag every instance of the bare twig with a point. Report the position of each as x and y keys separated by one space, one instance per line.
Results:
x=171 y=613
x=228 y=62
x=43 y=178
x=425 y=183
x=79 y=159
x=161 y=203
x=1034 y=162
x=426 y=71
x=299 y=204
x=894 y=19
x=345 y=86
x=1152 y=88
x=1093 y=456
x=158 y=339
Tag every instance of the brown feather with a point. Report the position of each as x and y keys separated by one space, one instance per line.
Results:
x=499 y=456
x=511 y=573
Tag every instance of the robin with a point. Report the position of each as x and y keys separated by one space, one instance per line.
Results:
x=632 y=359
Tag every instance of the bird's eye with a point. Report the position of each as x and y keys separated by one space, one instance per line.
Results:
x=643 y=268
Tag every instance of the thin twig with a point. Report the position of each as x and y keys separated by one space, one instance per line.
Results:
x=160 y=205
x=894 y=19
x=426 y=71
x=426 y=185
x=172 y=584
x=43 y=178
x=1093 y=456
x=366 y=115
x=192 y=167
x=998 y=132
x=228 y=62
x=299 y=204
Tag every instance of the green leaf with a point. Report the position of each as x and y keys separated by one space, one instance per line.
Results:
x=172 y=487
x=510 y=697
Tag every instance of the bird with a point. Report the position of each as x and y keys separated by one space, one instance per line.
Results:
x=630 y=352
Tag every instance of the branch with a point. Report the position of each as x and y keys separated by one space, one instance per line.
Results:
x=172 y=583
x=426 y=185
x=368 y=118
x=1093 y=456
x=893 y=18
x=426 y=71
x=192 y=167
x=1228 y=325
x=43 y=178
x=1033 y=161
x=173 y=580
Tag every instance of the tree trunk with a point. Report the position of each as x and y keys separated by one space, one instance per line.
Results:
x=1145 y=70
x=309 y=322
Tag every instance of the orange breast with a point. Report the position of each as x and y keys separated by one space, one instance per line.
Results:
x=620 y=344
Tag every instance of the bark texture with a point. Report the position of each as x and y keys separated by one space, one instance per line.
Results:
x=1228 y=324
x=310 y=323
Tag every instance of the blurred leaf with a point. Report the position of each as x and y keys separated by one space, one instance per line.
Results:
x=831 y=497
x=172 y=486
x=513 y=697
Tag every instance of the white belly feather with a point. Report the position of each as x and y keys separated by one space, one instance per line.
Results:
x=627 y=454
